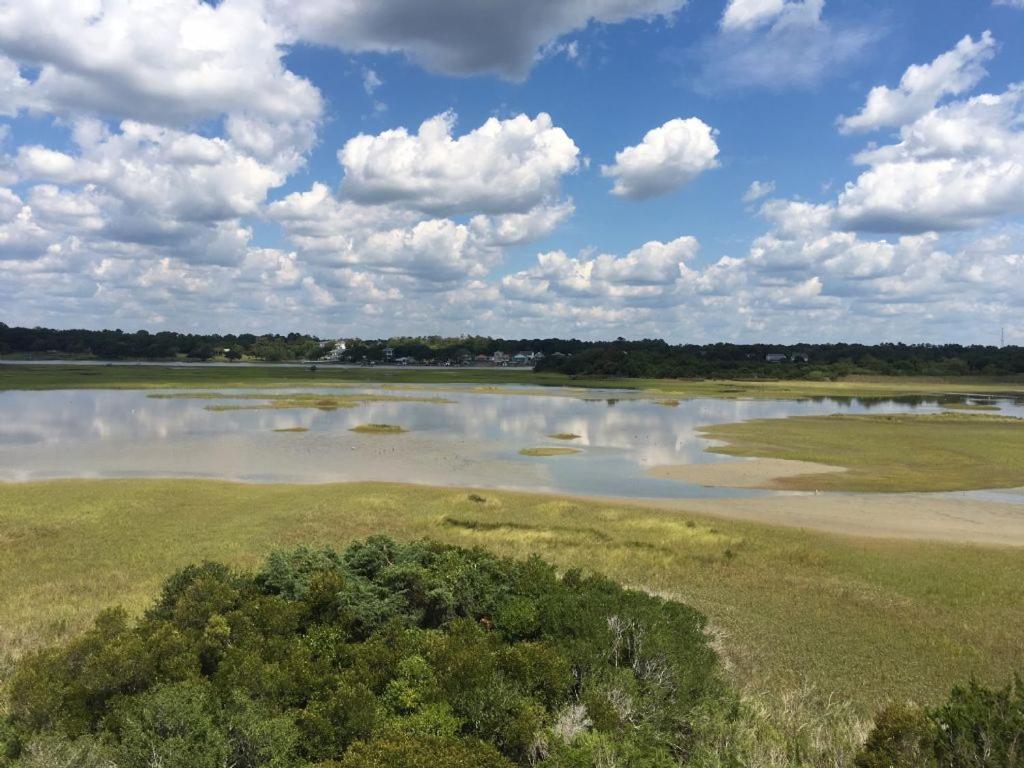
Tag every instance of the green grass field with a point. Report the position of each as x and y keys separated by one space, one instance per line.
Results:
x=936 y=452
x=142 y=377
x=868 y=620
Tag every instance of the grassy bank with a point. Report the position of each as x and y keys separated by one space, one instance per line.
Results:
x=868 y=619
x=143 y=377
x=937 y=452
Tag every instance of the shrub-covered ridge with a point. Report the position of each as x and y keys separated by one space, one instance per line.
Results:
x=385 y=655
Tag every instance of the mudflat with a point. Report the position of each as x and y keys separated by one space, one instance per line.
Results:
x=923 y=517
x=752 y=473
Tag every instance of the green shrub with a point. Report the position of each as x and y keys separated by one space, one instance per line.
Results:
x=902 y=736
x=977 y=727
x=385 y=654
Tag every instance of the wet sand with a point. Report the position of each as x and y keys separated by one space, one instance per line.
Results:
x=748 y=473
x=922 y=517
x=934 y=517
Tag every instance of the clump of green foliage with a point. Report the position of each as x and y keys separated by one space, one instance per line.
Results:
x=384 y=655
x=379 y=429
x=977 y=727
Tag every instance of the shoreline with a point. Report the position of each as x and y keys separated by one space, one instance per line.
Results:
x=759 y=473
x=915 y=517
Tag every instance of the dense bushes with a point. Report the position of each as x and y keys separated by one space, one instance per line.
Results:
x=384 y=655
x=421 y=655
x=652 y=358
x=164 y=345
x=976 y=728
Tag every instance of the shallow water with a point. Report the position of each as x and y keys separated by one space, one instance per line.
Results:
x=473 y=441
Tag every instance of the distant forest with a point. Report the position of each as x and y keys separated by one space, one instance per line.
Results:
x=647 y=358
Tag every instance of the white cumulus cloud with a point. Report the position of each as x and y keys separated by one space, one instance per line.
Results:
x=923 y=85
x=503 y=166
x=958 y=166
x=174 y=60
x=668 y=157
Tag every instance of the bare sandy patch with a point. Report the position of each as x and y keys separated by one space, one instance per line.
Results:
x=918 y=516
x=750 y=473
x=888 y=516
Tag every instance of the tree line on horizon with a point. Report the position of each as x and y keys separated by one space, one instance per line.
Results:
x=645 y=358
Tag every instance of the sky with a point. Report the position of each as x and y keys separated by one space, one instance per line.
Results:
x=694 y=170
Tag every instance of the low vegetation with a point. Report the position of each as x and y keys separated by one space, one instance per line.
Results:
x=385 y=655
x=318 y=401
x=832 y=618
x=292 y=429
x=887 y=453
x=393 y=655
x=70 y=376
x=976 y=726
x=379 y=429
x=564 y=436
x=549 y=450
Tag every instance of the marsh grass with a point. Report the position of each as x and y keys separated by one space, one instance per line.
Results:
x=887 y=453
x=71 y=376
x=866 y=619
x=551 y=450
x=379 y=429
x=564 y=436
x=292 y=429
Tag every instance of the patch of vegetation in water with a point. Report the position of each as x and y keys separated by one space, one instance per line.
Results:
x=668 y=403
x=549 y=451
x=318 y=401
x=564 y=436
x=379 y=429
x=292 y=429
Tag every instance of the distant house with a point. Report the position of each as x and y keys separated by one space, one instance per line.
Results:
x=499 y=358
x=481 y=359
x=336 y=350
x=801 y=357
x=389 y=354
x=774 y=357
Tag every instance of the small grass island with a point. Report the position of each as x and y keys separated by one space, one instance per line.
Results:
x=379 y=429
x=551 y=450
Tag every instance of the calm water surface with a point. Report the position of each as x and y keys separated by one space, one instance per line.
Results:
x=473 y=441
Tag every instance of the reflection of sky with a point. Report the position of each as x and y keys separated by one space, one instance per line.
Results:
x=474 y=441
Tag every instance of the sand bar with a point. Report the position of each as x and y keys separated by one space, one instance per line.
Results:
x=750 y=473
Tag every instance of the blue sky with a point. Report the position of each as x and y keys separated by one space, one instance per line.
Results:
x=586 y=169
